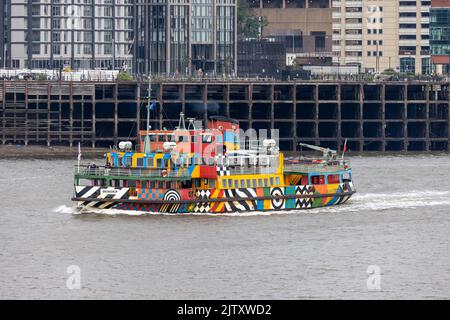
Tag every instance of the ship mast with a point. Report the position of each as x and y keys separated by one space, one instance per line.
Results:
x=147 y=148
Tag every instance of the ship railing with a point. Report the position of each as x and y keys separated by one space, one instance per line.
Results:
x=128 y=172
x=252 y=170
x=315 y=167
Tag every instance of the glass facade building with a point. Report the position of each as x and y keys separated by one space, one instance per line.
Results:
x=145 y=36
x=181 y=36
x=440 y=31
x=440 y=37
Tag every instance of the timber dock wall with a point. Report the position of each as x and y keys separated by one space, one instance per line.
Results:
x=373 y=116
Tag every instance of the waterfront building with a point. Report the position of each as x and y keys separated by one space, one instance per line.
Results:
x=382 y=34
x=182 y=37
x=2 y=34
x=158 y=36
x=303 y=25
x=261 y=58
x=440 y=36
x=68 y=34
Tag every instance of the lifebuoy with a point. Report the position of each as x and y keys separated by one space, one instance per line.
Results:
x=164 y=173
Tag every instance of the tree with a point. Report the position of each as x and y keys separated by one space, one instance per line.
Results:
x=249 y=25
x=124 y=76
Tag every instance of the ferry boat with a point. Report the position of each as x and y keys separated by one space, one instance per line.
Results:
x=196 y=170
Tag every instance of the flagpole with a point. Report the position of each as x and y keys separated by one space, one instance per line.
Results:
x=79 y=156
x=345 y=149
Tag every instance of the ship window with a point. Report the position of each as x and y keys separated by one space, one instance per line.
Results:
x=230 y=183
x=249 y=183
x=85 y=182
x=166 y=163
x=265 y=183
x=144 y=184
x=236 y=183
x=160 y=185
x=277 y=181
x=140 y=162
x=224 y=183
x=260 y=183
x=150 y=162
x=254 y=183
x=152 y=138
x=318 y=180
x=206 y=138
x=304 y=180
x=333 y=178
x=171 y=138
x=158 y=163
x=242 y=183
x=127 y=161
x=152 y=184
x=161 y=138
x=132 y=183
x=271 y=181
x=168 y=185
x=346 y=176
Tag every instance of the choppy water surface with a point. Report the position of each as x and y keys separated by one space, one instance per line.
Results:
x=398 y=221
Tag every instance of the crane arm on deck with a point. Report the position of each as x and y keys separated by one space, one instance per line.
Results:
x=328 y=153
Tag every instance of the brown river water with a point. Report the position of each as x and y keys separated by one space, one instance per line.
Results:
x=397 y=223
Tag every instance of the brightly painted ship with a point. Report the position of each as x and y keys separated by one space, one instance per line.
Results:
x=210 y=170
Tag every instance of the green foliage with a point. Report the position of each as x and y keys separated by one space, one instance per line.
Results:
x=41 y=77
x=124 y=76
x=249 y=25
x=389 y=72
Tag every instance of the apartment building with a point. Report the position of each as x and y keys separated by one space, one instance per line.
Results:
x=185 y=36
x=382 y=34
x=74 y=34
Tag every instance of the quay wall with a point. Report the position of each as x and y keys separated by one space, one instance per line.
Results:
x=373 y=116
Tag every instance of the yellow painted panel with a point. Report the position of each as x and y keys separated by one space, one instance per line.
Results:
x=196 y=172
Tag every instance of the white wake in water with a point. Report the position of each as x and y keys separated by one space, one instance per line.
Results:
x=359 y=202
x=65 y=209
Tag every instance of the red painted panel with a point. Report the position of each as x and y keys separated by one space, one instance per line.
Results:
x=209 y=172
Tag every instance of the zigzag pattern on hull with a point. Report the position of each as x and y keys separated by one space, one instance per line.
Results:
x=245 y=199
x=302 y=203
x=101 y=194
x=240 y=205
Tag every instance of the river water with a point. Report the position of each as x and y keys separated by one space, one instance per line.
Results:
x=397 y=226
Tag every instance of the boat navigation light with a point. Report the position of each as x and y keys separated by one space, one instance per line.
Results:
x=125 y=145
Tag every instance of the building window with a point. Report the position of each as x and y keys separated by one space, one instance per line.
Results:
x=426 y=68
x=408 y=65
